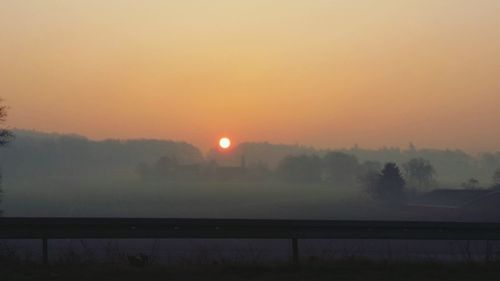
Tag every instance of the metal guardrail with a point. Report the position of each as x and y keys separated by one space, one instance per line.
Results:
x=143 y=228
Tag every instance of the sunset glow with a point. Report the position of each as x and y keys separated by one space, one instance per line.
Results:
x=328 y=74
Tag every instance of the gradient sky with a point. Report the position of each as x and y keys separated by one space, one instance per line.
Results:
x=314 y=72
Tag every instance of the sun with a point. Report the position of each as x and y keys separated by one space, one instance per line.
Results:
x=224 y=143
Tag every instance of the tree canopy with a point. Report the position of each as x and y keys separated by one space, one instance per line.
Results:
x=340 y=167
x=6 y=135
x=388 y=185
x=419 y=173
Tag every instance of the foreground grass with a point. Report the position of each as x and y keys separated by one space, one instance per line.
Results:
x=341 y=270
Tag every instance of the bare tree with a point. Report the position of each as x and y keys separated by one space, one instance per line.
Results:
x=419 y=173
x=6 y=135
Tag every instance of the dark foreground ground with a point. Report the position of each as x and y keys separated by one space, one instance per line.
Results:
x=342 y=270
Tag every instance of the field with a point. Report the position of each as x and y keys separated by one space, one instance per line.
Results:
x=134 y=198
x=131 y=197
x=341 y=270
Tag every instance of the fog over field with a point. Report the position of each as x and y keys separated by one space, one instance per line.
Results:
x=69 y=175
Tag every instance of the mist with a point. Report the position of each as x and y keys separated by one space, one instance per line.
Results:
x=47 y=174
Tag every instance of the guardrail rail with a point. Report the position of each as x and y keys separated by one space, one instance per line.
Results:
x=293 y=230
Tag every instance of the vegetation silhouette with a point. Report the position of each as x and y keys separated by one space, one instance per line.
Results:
x=340 y=167
x=387 y=186
x=496 y=179
x=419 y=174
x=471 y=184
x=6 y=137
x=302 y=168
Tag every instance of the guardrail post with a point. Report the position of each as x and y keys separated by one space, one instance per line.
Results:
x=295 y=251
x=45 y=251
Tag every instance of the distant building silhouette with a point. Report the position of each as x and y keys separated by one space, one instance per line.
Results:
x=231 y=172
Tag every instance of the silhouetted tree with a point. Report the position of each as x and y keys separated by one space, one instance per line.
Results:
x=303 y=168
x=419 y=173
x=390 y=185
x=340 y=167
x=6 y=136
x=496 y=179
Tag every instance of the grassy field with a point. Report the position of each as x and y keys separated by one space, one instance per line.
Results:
x=134 y=198
x=342 y=270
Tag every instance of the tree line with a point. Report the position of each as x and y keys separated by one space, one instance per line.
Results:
x=385 y=182
x=454 y=166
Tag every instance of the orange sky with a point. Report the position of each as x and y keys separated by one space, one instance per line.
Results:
x=321 y=73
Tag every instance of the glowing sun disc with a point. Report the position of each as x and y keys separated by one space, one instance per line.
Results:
x=225 y=143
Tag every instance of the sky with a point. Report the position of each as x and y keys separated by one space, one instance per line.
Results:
x=313 y=72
